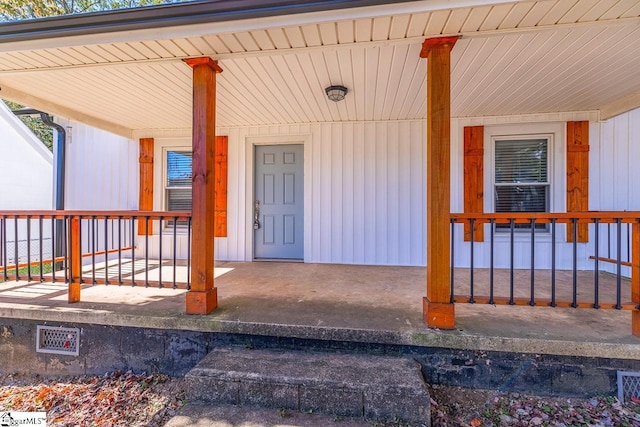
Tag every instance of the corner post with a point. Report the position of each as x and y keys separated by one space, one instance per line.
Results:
x=75 y=260
x=635 y=277
x=438 y=309
x=202 y=298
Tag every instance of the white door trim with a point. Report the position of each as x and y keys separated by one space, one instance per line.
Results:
x=250 y=143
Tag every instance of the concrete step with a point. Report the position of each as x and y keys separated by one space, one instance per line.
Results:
x=374 y=387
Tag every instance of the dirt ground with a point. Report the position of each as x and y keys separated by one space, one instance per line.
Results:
x=127 y=399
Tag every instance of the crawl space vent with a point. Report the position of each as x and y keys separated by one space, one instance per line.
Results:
x=52 y=339
x=628 y=386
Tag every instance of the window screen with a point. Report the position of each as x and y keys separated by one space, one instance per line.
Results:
x=522 y=176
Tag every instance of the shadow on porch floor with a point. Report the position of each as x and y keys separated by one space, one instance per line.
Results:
x=337 y=302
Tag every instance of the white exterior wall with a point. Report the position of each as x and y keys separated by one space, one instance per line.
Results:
x=102 y=169
x=365 y=188
x=615 y=178
x=102 y=173
x=26 y=166
x=26 y=183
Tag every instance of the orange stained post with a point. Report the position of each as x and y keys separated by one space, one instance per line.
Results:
x=146 y=183
x=578 y=175
x=635 y=278
x=203 y=297
x=438 y=310
x=75 y=261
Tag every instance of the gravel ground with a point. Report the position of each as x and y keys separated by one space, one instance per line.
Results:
x=127 y=399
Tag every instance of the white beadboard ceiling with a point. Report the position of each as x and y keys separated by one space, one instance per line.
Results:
x=513 y=58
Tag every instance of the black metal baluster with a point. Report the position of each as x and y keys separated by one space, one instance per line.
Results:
x=146 y=252
x=40 y=243
x=160 y=255
x=15 y=247
x=619 y=265
x=511 y=251
x=93 y=249
x=175 y=248
x=491 y=301
x=596 y=278
x=189 y=253
x=532 y=301
x=132 y=244
x=471 y=300
x=574 y=301
x=106 y=251
x=452 y=262
x=28 y=247
x=553 y=262
x=119 y=250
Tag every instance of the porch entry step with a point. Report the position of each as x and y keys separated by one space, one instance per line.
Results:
x=374 y=387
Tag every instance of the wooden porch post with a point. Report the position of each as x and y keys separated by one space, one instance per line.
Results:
x=203 y=297
x=438 y=310
x=146 y=184
x=75 y=260
x=635 y=278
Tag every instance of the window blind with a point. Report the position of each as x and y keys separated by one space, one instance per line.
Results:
x=521 y=175
x=521 y=161
x=179 y=173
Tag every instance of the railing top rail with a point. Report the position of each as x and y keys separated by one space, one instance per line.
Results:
x=547 y=217
x=99 y=214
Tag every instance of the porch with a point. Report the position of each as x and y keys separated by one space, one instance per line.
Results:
x=339 y=303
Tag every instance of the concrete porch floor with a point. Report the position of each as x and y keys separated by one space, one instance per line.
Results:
x=370 y=304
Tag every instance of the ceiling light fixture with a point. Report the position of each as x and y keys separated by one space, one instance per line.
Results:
x=336 y=93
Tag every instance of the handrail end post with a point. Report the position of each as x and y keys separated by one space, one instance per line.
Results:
x=75 y=264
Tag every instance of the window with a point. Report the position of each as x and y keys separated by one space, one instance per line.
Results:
x=522 y=176
x=175 y=180
x=178 y=181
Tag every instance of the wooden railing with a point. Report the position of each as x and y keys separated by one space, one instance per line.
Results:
x=95 y=247
x=548 y=259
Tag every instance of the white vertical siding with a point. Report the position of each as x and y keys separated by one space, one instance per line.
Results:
x=367 y=191
x=614 y=178
x=102 y=170
x=614 y=162
x=367 y=181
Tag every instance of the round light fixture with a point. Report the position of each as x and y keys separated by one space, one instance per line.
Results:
x=336 y=93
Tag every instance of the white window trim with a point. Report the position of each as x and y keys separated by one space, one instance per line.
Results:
x=555 y=133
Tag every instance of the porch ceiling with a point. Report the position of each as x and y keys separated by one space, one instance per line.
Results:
x=514 y=58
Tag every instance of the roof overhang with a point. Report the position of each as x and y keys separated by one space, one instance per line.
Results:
x=123 y=71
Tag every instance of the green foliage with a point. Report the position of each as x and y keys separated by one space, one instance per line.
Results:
x=11 y=10
x=37 y=126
